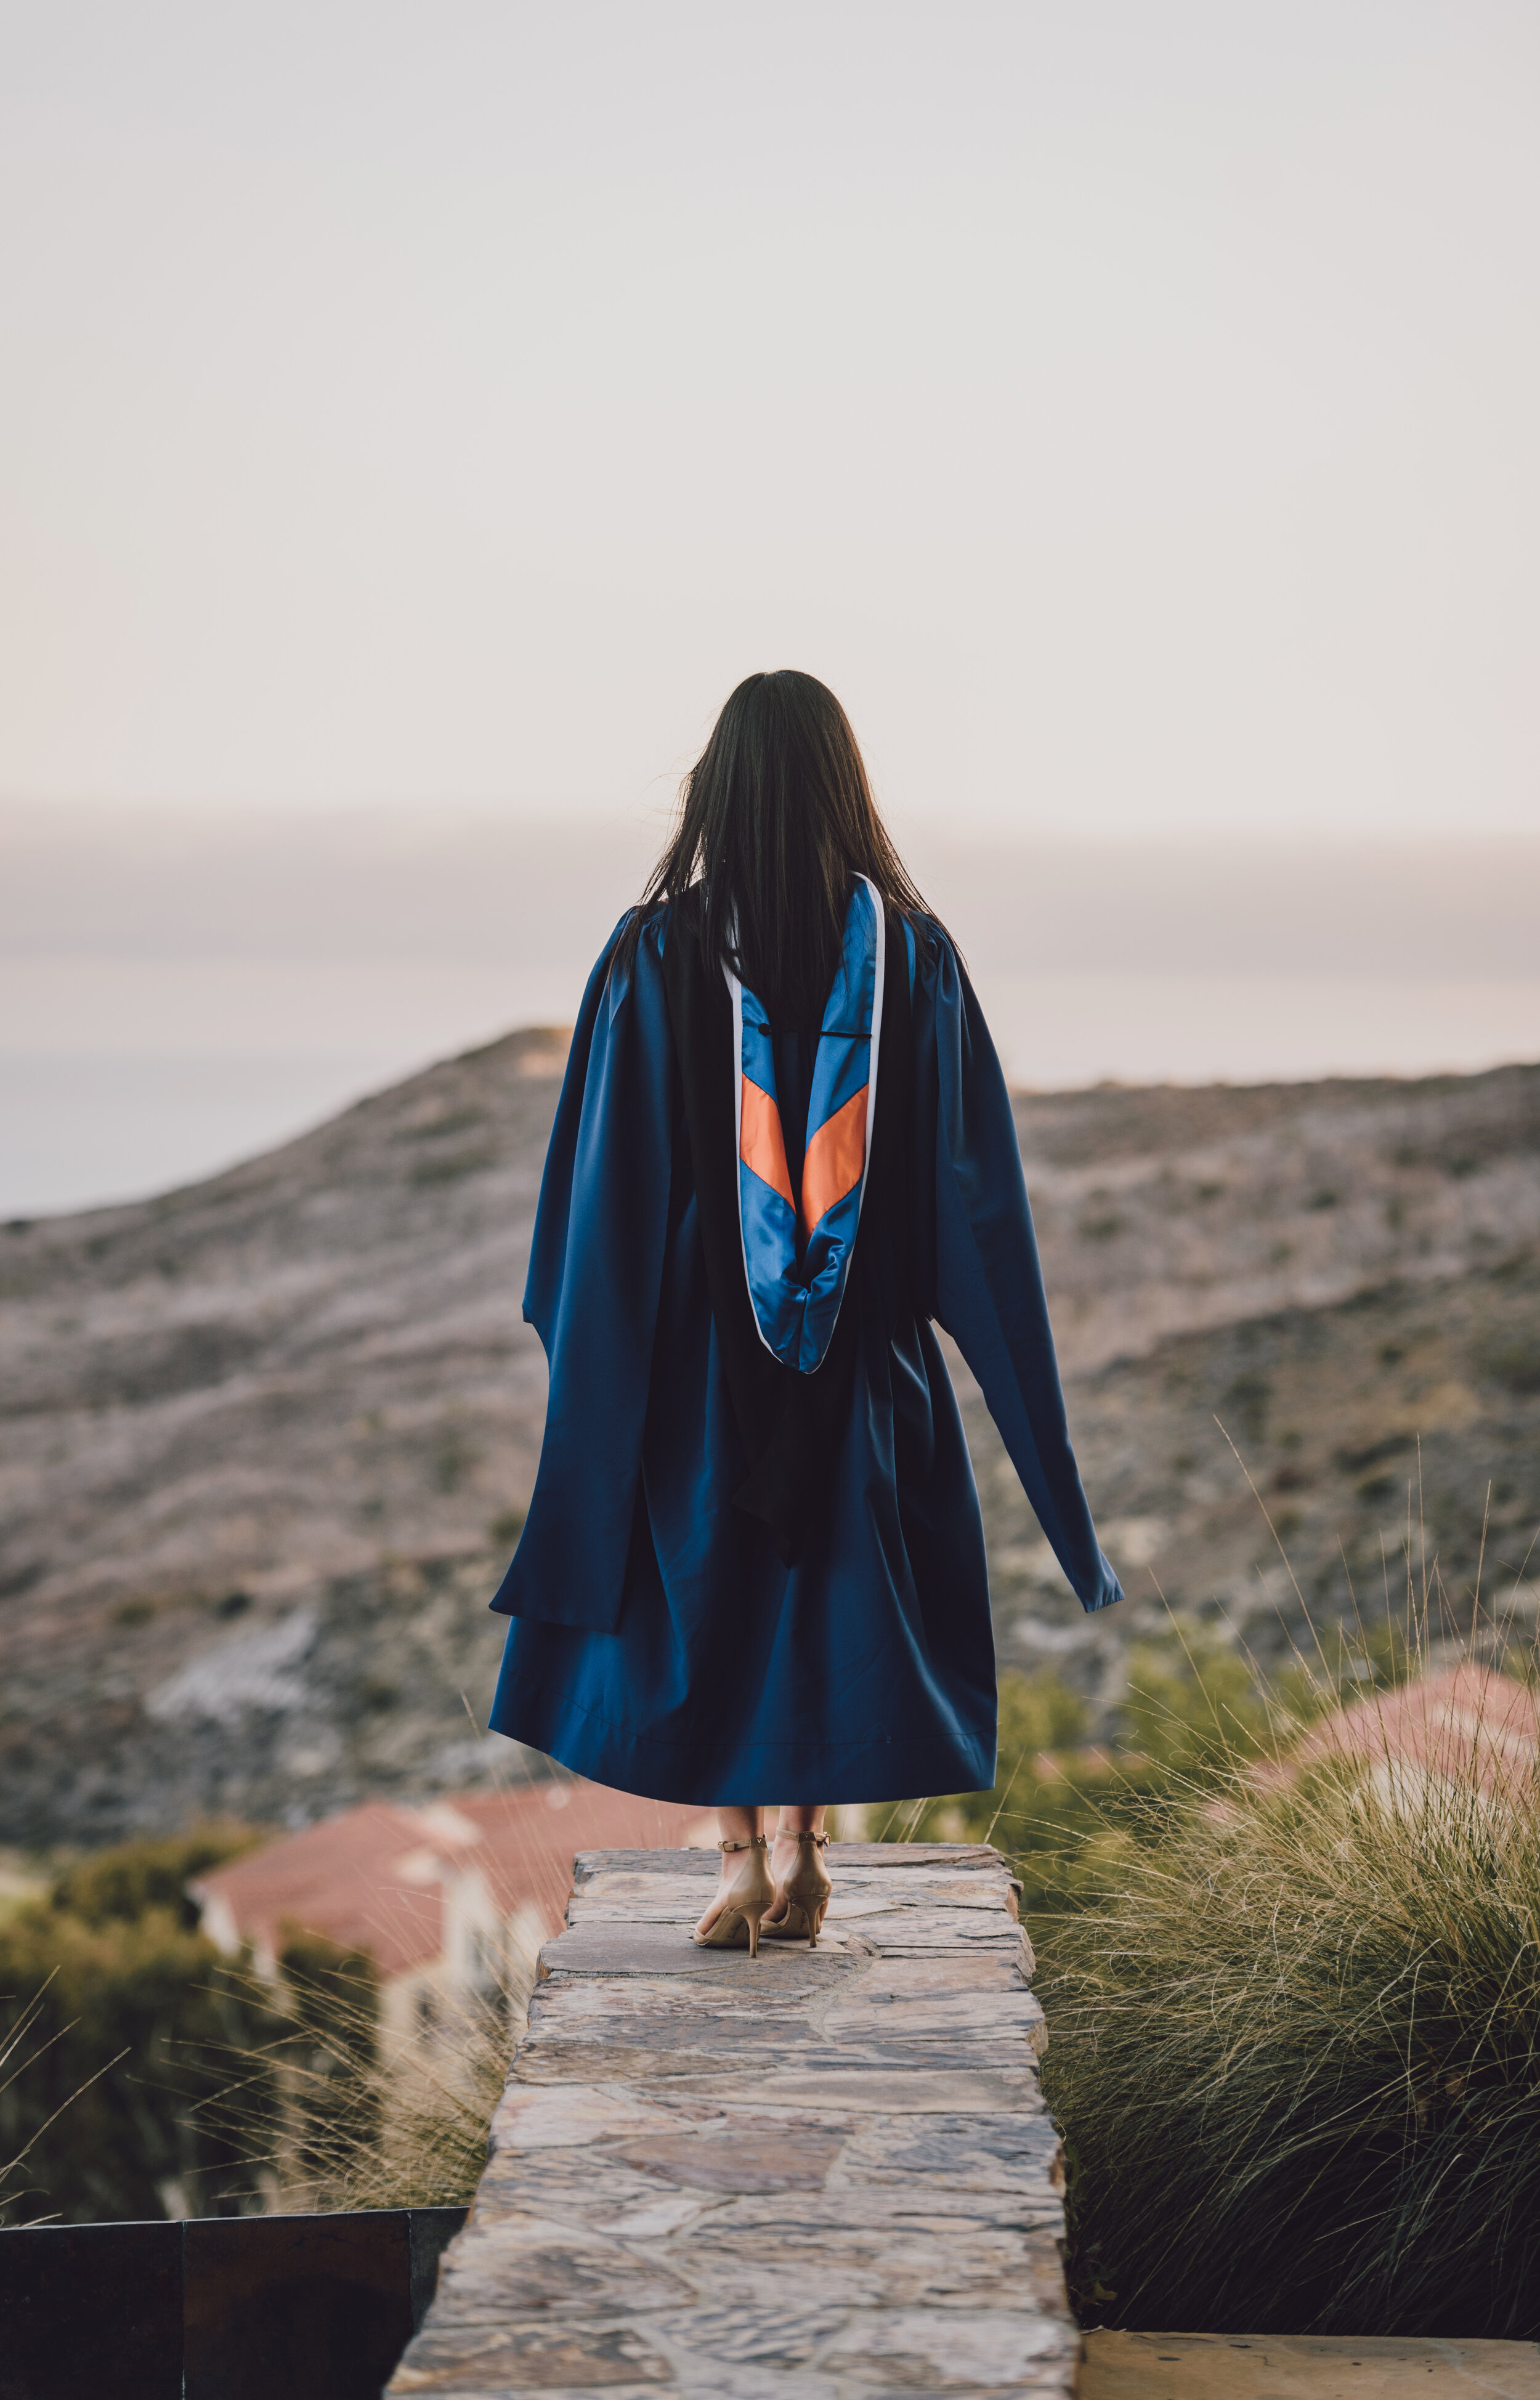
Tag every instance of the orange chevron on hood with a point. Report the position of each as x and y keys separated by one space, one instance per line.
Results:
x=835 y=1159
x=761 y=1144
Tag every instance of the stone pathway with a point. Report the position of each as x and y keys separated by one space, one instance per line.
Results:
x=819 y=2176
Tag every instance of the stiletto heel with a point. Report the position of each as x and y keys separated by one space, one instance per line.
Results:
x=805 y=1892
x=750 y=1893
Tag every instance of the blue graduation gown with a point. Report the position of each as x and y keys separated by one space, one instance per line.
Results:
x=658 y=1644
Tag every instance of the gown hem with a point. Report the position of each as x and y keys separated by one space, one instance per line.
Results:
x=685 y=1774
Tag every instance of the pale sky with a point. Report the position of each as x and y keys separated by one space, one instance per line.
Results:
x=1130 y=410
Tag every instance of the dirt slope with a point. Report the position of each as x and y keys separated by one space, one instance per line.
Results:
x=263 y=1440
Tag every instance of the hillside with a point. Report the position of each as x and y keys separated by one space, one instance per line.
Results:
x=265 y=1439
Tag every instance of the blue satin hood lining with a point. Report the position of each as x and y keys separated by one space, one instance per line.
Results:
x=797 y=1289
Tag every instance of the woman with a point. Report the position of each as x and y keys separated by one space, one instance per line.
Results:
x=754 y=1561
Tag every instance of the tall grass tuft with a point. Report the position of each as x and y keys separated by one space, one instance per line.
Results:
x=434 y=2109
x=1296 y=2025
x=1288 y=1945
x=339 y=2110
x=368 y=2119
x=1296 y=2048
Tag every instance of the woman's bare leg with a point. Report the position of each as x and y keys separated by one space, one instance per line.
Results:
x=783 y=1848
x=732 y=1825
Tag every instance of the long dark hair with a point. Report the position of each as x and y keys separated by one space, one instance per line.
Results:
x=777 y=817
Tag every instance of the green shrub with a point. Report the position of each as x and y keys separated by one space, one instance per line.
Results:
x=1512 y=1364
x=111 y=2030
x=142 y=2075
x=1059 y=1810
x=121 y=1885
x=1039 y=1718
x=113 y=2014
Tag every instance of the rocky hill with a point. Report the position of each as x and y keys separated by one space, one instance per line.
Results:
x=266 y=1440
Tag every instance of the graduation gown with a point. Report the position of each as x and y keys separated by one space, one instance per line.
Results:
x=659 y=1644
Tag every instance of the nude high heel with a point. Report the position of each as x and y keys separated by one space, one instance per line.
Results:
x=749 y=1894
x=805 y=1892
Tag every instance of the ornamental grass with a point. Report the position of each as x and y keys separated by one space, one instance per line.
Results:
x=1296 y=2050
x=366 y=2118
x=1295 y=2018
x=1288 y=1947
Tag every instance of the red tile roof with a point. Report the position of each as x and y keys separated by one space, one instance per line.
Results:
x=372 y=1879
x=1464 y=1722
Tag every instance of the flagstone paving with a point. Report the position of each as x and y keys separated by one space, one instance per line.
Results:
x=816 y=2175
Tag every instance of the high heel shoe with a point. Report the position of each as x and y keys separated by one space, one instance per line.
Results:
x=750 y=1893
x=805 y=1892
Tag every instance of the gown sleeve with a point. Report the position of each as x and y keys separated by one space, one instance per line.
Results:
x=981 y=1251
x=595 y=1270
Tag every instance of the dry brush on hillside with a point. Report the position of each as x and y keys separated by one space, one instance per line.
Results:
x=267 y=1439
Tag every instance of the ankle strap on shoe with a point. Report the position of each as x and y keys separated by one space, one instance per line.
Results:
x=822 y=1839
x=755 y=1842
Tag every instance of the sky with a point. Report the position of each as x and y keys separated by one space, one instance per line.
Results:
x=1129 y=411
x=414 y=422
